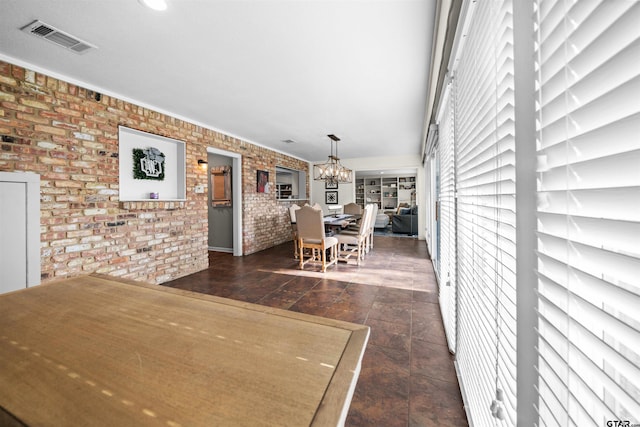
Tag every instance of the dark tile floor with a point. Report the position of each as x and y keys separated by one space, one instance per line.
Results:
x=407 y=376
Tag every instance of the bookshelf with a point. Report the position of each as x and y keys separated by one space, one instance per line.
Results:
x=387 y=192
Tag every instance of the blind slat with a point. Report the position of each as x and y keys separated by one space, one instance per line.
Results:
x=609 y=235
x=621 y=204
x=589 y=145
x=601 y=172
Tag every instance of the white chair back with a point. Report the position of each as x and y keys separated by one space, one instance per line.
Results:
x=374 y=213
x=365 y=221
x=372 y=223
x=292 y=213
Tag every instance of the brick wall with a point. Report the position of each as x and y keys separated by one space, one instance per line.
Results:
x=69 y=136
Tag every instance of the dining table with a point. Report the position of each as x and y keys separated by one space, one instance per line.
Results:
x=334 y=223
x=106 y=351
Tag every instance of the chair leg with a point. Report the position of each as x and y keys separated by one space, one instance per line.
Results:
x=324 y=260
x=301 y=254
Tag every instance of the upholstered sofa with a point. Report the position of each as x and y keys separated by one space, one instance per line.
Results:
x=405 y=221
x=382 y=220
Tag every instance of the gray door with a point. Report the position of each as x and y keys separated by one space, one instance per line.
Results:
x=220 y=218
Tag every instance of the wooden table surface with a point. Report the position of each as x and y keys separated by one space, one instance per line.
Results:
x=96 y=351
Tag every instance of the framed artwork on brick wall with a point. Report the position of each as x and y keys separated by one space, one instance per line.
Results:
x=262 y=181
x=160 y=169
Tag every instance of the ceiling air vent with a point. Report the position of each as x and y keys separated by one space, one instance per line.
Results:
x=66 y=40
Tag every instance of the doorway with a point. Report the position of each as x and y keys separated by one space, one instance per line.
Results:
x=225 y=222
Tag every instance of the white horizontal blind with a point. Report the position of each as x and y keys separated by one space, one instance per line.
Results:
x=447 y=266
x=485 y=179
x=588 y=143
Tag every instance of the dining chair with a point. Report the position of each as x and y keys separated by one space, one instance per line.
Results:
x=294 y=228
x=315 y=206
x=352 y=209
x=353 y=243
x=311 y=236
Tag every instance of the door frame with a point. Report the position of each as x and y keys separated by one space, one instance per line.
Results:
x=236 y=190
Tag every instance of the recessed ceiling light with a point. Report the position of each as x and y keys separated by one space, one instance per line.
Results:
x=154 y=4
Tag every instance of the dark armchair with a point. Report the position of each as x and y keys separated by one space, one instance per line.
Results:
x=406 y=221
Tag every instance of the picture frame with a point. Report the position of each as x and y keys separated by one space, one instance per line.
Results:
x=330 y=185
x=172 y=187
x=262 y=181
x=220 y=187
x=331 y=197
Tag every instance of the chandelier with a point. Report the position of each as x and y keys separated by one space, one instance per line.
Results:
x=332 y=171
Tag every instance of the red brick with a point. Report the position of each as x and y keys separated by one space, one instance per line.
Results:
x=50 y=130
x=79 y=143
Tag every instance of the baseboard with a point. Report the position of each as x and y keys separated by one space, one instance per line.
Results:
x=218 y=249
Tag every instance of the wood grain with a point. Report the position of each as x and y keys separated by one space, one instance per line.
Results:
x=96 y=351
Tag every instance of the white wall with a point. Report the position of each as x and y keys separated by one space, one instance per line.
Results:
x=347 y=192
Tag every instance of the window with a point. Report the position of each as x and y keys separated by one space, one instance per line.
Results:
x=446 y=268
x=585 y=328
x=589 y=211
x=290 y=184
x=485 y=184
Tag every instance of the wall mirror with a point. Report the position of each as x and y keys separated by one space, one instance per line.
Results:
x=221 y=186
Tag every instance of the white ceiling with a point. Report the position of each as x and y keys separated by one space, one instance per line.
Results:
x=261 y=70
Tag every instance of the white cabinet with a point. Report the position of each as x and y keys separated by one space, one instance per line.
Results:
x=372 y=191
x=387 y=192
x=360 y=191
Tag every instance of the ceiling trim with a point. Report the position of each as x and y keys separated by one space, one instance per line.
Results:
x=85 y=85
